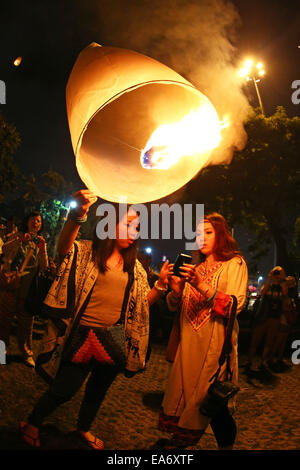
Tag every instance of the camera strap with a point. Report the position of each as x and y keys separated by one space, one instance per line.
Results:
x=227 y=346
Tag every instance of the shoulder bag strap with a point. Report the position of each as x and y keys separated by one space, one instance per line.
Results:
x=225 y=353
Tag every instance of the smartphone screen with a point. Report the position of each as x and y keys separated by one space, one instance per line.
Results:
x=181 y=260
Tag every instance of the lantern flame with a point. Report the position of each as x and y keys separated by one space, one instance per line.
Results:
x=198 y=132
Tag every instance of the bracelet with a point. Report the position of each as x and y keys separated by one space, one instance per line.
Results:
x=77 y=219
x=160 y=289
x=211 y=298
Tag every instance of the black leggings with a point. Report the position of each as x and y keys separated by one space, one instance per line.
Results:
x=68 y=381
x=224 y=428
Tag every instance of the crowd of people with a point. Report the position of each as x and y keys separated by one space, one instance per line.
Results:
x=103 y=302
x=275 y=313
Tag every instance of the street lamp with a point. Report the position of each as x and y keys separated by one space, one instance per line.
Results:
x=73 y=204
x=251 y=71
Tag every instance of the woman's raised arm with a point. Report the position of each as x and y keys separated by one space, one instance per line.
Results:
x=84 y=199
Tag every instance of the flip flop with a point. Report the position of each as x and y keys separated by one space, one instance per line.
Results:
x=27 y=437
x=93 y=443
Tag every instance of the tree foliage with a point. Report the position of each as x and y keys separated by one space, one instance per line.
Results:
x=50 y=193
x=50 y=196
x=9 y=143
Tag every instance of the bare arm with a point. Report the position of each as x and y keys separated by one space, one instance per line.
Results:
x=155 y=294
x=161 y=285
x=84 y=199
x=266 y=287
x=67 y=237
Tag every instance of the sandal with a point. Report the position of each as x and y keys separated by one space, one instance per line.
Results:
x=29 y=434
x=93 y=442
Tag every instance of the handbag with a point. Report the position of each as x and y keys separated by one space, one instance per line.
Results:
x=220 y=392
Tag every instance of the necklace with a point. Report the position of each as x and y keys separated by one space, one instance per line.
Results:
x=205 y=269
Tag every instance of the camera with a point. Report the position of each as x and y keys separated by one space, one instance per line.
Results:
x=180 y=261
x=35 y=239
x=218 y=395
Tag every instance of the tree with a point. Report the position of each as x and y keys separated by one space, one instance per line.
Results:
x=54 y=205
x=261 y=187
x=9 y=143
x=50 y=195
x=295 y=254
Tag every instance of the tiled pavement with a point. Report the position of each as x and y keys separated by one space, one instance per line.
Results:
x=267 y=415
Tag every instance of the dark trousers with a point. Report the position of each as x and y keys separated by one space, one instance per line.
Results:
x=68 y=381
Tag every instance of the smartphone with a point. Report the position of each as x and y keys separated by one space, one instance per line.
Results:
x=180 y=261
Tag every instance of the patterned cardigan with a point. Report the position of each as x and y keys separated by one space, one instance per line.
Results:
x=68 y=297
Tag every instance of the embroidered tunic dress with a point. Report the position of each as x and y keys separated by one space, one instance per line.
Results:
x=202 y=335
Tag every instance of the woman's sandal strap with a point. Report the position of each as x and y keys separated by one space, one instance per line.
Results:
x=94 y=443
x=28 y=438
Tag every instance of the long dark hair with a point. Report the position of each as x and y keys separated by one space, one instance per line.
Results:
x=102 y=249
x=226 y=246
x=24 y=224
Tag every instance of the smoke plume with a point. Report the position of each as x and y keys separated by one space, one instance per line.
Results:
x=195 y=38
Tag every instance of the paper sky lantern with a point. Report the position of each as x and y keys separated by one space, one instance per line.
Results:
x=17 y=61
x=139 y=130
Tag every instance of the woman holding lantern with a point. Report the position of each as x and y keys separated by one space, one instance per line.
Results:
x=99 y=311
x=203 y=297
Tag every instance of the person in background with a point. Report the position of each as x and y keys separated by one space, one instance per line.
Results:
x=2 y=236
x=156 y=310
x=267 y=323
x=290 y=310
x=203 y=298
x=146 y=260
x=11 y=227
x=29 y=245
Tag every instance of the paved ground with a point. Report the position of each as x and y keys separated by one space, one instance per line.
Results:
x=268 y=412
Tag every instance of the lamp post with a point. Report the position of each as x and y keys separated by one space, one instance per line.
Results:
x=250 y=71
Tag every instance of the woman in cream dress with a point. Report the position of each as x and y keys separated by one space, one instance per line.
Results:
x=203 y=298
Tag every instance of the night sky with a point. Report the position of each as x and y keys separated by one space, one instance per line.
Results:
x=49 y=35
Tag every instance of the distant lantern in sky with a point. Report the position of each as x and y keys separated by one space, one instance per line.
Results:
x=17 y=61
